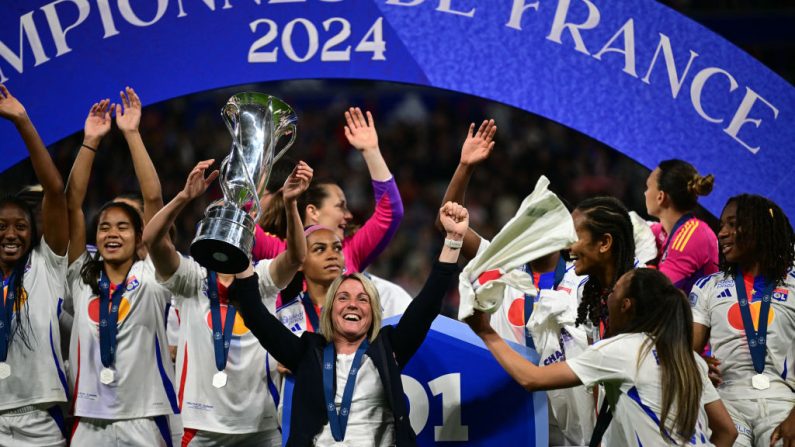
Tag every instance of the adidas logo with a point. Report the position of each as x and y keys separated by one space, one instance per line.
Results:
x=727 y=293
x=296 y=328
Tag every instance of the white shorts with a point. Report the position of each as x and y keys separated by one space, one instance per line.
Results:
x=756 y=419
x=158 y=431
x=32 y=426
x=201 y=438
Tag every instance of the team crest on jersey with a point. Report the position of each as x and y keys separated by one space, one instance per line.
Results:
x=780 y=294
x=93 y=310
x=238 y=329
x=133 y=283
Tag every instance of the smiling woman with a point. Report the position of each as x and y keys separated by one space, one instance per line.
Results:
x=32 y=273
x=347 y=381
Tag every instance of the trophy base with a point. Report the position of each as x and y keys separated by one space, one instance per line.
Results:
x=224 y=240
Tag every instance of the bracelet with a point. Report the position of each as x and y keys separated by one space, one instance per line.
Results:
x=89 y=148
x=455 y=245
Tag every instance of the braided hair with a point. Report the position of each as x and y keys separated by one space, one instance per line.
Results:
x=764 y=230
x=21 y=314
x=605 y=215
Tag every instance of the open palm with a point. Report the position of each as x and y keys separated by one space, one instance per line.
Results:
x=360 y=132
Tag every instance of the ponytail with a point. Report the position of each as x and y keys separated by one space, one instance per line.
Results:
x=683 y=184
x=663 y=312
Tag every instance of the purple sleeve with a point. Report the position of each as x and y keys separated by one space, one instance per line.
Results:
x=363 y=247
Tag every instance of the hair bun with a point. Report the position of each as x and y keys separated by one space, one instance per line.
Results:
x=701 y=186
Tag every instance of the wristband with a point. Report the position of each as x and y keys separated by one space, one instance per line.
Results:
x=89 y=148
x=455 y=245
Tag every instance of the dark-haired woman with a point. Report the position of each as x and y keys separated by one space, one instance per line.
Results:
x=119 y=360
x=686 y=246
x=33 y=271
x=324 y=203
x=654 y=382
x=605 y=250
x=747 y=313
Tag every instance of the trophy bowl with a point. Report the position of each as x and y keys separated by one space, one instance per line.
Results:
x=225 y=236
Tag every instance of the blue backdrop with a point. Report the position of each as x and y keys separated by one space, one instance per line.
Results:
x=458 y=395
x=633 y=74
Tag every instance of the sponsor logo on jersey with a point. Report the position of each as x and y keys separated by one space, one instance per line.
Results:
x=780 y=294
x=726 y=293
x=291 y=314
x=725 y=283
x=93 y=310
x=239 y=327
x=516 y=312
x=556 y=357
x=735 y=318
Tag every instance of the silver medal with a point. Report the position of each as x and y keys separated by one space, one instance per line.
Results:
x=760 y=382
x=106 y=376
x=219 y=379
x=5 y=370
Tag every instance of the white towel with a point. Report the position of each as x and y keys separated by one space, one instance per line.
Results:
x=645 y=245
x=541 y=226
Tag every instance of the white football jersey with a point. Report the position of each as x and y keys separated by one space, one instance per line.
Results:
x=634 y=391
x=37 y=372
x=572 y=412
x=714 y=301
x=143 y=384
x=245 y=404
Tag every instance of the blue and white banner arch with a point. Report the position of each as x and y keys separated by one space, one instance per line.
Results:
x=635 y=75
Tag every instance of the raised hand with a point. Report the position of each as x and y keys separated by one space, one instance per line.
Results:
x=359 y=131
x=297 y=182
x=129 y=117
x=97 y=122
x=455 y=220
x=197 y=183
x=10 y=108
x=478 y=145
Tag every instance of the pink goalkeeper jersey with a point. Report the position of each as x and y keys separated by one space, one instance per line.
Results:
x=692 y=252
x=363 y=247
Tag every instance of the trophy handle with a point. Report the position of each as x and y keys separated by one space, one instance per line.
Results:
x=293 y=133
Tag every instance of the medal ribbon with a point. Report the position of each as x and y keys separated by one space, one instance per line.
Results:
x=338 y=422
x=108 y=318
x=543 y=284
x=671 y=235
x=757 y=340
x=222 y=335
x=310 y=311
x=7 y=309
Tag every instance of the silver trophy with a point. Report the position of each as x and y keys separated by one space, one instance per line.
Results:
x=225 y=236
